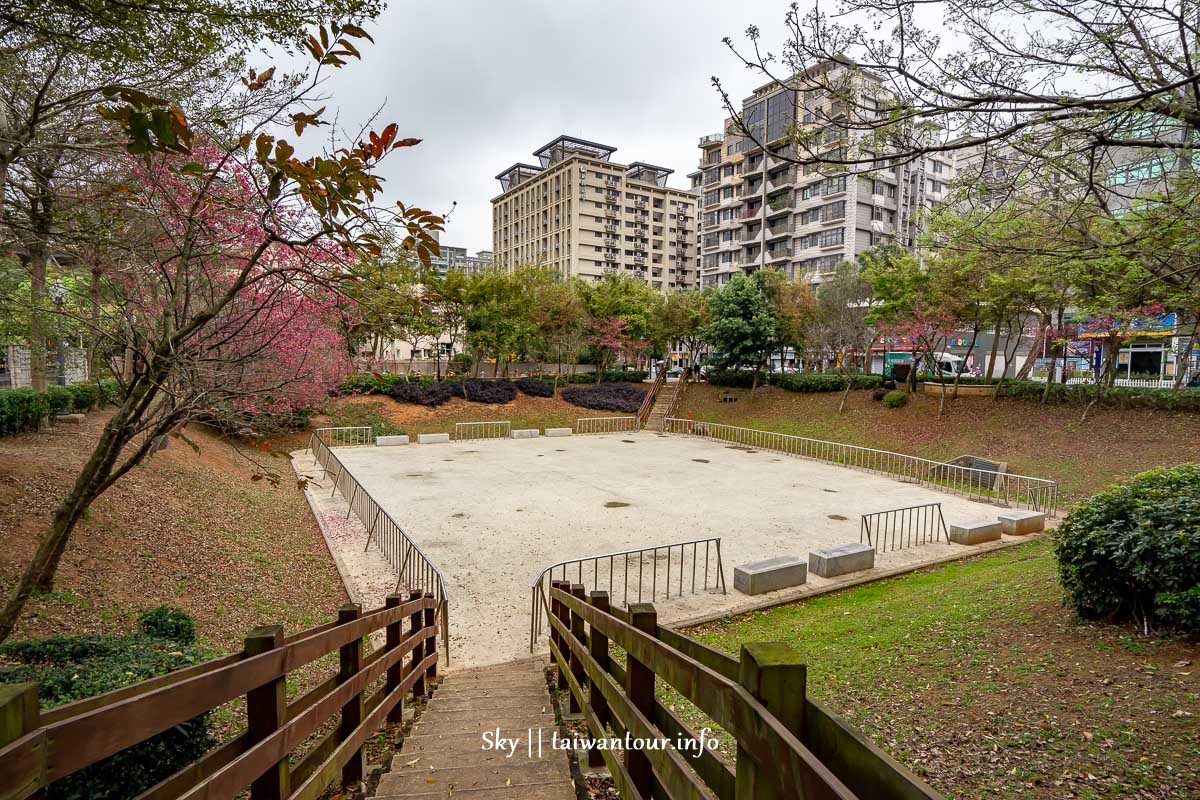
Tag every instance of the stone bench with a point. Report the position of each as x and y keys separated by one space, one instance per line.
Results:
x=71 y=419
x=524 y=433
x=1019 y=523
x=558 y=431
x=770 y=575
x=390 y=441
x=829 y=562
x=432 y=438
x=976 y=531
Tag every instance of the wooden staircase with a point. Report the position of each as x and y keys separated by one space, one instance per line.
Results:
x=656 y=419
x=444 y=755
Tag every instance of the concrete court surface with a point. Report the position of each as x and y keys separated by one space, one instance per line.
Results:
x=492 y=514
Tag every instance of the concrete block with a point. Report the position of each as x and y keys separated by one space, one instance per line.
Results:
x=558 y=431
x=524 y=433
x=975 y=532
x=829 y=562
x=390 y=441
x=432 y=438
x=769 y=575
x=72 y=419
x=1019 y=523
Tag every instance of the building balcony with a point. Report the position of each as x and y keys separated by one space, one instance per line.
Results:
x=711 y=139
x=778 y=231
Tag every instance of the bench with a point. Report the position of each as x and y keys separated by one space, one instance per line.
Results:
x=729 y=397
x=770 y=575
x=390 y=441
x=558 y=431
x=829 y=562
x=524 y=433
x=976 y=531
x=1019 y=523
x=432 y=438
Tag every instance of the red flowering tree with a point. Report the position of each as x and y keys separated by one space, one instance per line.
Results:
x=610 y=337
x=233 y=250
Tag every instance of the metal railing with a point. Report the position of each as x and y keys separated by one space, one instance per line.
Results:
x=360 y=436
x=898 y=528
x=626 y=575
x=999 y=488
x=648 y=401
x=413 y=568
x=467 y=431
x=676 y=393
x=606 y=425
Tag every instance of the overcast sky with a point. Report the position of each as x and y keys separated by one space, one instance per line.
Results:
x=485 y=83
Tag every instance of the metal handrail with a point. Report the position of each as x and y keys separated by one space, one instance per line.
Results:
x=679 y=387
x=903 y=527
x=999 y=488
x=490 y=429
x=606 y=425
x=712 y=548
x=357 y=436
x=413 y=567
x=648 y=401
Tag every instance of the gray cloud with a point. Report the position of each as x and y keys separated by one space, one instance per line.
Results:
x=484 y=83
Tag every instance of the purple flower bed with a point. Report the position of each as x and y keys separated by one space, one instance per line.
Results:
x=624 y=397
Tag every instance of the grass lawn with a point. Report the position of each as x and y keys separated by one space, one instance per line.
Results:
x=1042 y=441
x=974 y=676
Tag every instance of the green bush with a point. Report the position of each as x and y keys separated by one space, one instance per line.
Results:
x=353 y=416
x=794 y=381
x=367 y=383
x=167 y=622
x=59 y=399
x=1133 y=550
x=69 y=668
x=21 y=410
x=1080 y=394
x=110 y=391
x=84 y=396
x=895 y=399
x=461 y=363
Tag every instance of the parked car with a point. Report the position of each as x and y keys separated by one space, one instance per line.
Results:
x=675 y=372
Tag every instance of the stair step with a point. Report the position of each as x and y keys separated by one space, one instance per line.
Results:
x=557 y=790
x=510 y=724
x=487 y=705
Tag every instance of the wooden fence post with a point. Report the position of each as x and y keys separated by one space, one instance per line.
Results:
x=639 y=688
x=580 y=635
x=598 y=649
x=556 y=608
x=773 y=673
x=266 y=712
x=395 y=673
x=19 y=714
x=431 y=642
x=350 y=661
x=417 y=620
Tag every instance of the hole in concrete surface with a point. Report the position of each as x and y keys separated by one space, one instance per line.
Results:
x=458 y=515
x=831 y=491
x=615 y=504
x=629 y=441
x=559 y=451
x=447 y=459
x=736 y=447
x=837 y=516
x=700 y=460
x=415 y=475
x=751 y=451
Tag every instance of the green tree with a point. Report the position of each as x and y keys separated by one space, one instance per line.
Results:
x=683 y=319
x=743 y=325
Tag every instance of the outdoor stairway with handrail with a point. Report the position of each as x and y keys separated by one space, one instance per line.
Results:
x=664 y=403
x=445 y=755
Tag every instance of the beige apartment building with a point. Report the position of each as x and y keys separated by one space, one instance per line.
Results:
x=584 y=215
x=760 y=209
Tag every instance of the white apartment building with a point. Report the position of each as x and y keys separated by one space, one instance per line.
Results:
x=584 y=215
x=760 y=209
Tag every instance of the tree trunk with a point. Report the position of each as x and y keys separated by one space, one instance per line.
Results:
x=991 y=368
x=845 y=391
x=94 y=346
x=1183 y=360
x=40 y=572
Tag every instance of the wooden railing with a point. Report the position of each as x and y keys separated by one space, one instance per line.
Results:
x=677 y=393
x=648 y=402
x=788 y=745
x=37 y=749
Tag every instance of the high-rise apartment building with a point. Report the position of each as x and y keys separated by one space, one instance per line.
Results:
x=760 y=209
x=457 y=258
x=584 y=215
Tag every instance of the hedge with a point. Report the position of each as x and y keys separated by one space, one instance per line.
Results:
x=22 y=410
x=794 y=381
x=68 y=668
x=1133 y=551
x=535 y=387
x=624 y=397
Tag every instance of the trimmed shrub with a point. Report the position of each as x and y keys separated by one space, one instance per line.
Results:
x=1132 y=551
x=535 y=387
x=84 y=396
x=895 y=399
x=69 y=668
x=21 y=410
x=824 y=381
x=367 y=383
x=167 y=622
x=732 y=378
x=611 y=376
x=110 y=391
x=59 y=399
x=462 y=363
x=432 y=394
x=477 y=391
x=624 y=397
